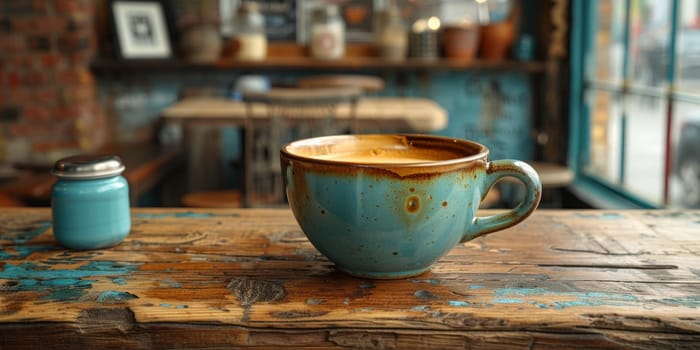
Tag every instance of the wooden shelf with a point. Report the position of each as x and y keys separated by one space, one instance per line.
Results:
x=293 y=56
x=306 y=63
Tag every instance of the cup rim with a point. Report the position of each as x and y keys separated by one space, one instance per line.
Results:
x=482 y=152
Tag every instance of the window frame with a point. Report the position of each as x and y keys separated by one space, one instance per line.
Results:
x=593 y=189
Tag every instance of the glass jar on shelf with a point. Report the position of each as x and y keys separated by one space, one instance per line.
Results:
x=249 y=33
x=423 y=40
x=392 y=36
x=327 y=33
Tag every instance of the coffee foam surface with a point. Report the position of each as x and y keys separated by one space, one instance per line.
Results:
x=393 y=156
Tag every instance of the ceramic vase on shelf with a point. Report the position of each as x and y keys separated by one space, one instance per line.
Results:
x=201 y=43
x=249 y=38
x=499 y=33
x=460 y=41
x=497 y=40
x=327 y=33
x=391 y=37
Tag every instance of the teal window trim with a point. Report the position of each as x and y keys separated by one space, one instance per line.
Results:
x=625 y=74
x=594 y=190
x=599 y=194
x=578 y=148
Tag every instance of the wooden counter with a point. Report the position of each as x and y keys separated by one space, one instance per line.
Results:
x=234 y=278
x=147 y=165
x=372 y=114
x=393 y=113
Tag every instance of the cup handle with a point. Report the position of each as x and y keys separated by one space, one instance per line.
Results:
x=496 y=170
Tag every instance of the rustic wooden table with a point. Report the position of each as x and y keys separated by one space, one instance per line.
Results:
x=230 y=278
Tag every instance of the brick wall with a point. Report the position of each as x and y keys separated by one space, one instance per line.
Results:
x=48 y=96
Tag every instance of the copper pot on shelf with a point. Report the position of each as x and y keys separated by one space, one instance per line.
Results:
x=461 y=41
x=498 y=35
x=201 y=43
x=497 y=40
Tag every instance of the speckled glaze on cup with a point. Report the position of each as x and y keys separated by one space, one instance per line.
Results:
x=391 y=220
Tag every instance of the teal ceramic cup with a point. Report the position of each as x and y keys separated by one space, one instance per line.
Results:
x=389 y=206
x=90 y=202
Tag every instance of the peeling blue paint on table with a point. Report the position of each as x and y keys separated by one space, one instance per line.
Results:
x=248 y=277
x=60 y=284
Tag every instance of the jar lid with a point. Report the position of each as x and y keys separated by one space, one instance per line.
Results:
x=248 y=7
x=325 y=12
x=85 y=167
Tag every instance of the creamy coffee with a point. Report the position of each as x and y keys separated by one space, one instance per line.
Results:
x=384 y=149
x=390 y=156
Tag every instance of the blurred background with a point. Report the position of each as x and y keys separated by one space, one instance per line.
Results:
x=602 y=96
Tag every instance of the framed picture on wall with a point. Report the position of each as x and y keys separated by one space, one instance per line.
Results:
x=280 y=18
x=141 y=29
x=359 y=20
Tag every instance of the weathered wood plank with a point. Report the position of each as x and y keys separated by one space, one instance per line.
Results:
x=230 y=278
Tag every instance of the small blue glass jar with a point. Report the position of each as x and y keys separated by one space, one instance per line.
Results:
x=90 y=202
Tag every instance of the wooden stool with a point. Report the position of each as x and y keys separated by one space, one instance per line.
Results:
x=366 y=83
x=213 y=199
x=553 y=175
x=291 y=113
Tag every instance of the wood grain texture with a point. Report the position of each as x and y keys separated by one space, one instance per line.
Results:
x=243 y=277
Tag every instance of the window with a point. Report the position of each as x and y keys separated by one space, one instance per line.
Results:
x=636 y=100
